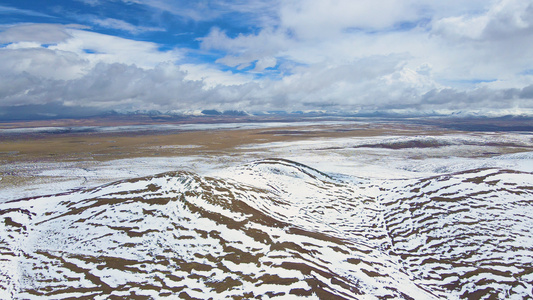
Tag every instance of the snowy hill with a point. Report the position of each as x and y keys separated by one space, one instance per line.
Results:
x=274 y=228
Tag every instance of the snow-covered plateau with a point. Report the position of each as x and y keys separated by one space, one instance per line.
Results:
x=446 y=216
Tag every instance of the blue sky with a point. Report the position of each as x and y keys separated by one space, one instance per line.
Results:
x=260 y=55
x=180 y=25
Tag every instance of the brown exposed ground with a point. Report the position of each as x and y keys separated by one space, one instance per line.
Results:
x=109 y=146
x=18 y=152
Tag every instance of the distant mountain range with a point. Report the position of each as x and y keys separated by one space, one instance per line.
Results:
x=53 y=111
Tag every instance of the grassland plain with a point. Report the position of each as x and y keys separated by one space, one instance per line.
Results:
x=93 y=147
x=31 y=148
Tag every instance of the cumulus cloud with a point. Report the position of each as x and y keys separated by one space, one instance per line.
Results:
x=265 y=63
x=335 y=55
x=212 y=77
x=44 y=63
x=41 y=62
x=504 y=20
x=243 y=50
x=460 y=46
x=84 y=68
x=66 y=52
x=377 y=83
x=527 y=92
x=110 y=86
x=489 y=45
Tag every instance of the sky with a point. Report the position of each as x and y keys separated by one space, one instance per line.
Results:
x=408 y=56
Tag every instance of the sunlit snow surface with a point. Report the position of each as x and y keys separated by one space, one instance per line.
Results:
x=352 y=218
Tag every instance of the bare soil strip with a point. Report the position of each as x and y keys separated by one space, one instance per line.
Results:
x=110 y=146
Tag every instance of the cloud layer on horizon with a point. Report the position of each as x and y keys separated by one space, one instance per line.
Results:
x=272 y=55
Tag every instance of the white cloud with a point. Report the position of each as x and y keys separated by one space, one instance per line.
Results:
x=462 y=42
x=493 y=44
x=212 y=77
x=96 y=47
x=90 y=2
x=460 y=46
x=191 y=10
x=256 y=12
x=317 y=19
x=265 y=63
x=42 y=63
x=11 y=10
x=328 y=54
x=243 y=50
x=64 y=52
x=503 y=20
x=122 y=25
x=37 y=33
x=115 y=73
